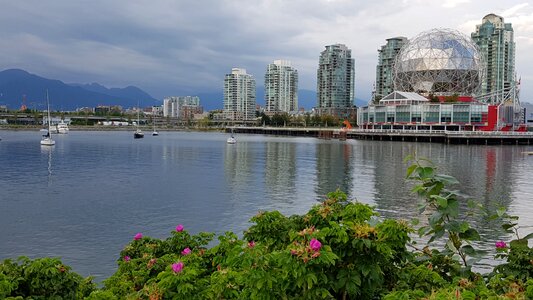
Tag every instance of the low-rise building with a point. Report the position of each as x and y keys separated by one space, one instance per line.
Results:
x=411 y=111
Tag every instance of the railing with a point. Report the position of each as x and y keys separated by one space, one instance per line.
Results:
x=447 y=132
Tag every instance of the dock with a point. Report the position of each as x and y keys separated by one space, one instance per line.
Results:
x=426 y=136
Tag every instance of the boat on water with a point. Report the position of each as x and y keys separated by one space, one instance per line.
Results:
x=528 y=152
x=62 y=127
x=47 y=138
x=231 y=140
x=138 y=134
x=154 y=133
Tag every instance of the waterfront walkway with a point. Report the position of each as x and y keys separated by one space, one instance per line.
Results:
x=431 y=136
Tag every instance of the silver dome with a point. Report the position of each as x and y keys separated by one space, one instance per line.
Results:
x=440 y=62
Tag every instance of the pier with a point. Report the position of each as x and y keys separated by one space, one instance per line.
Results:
x=427 y=136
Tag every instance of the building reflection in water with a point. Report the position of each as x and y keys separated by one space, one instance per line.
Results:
x=333 y=168
x=280 y=169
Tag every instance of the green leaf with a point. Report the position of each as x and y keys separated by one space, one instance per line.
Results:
x=415 y=222
x=446 y=179
x=408 y=158
x=501 y=211
x=421 y=207
x=439 y=232
x=468 y=250
x=441 y=201
x=450 y=246
x=410 y=170
x=528 y=237
x=453 y=208
x=470 y=235
x=508 y=226
x=425 y=172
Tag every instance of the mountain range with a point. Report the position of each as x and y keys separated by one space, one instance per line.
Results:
x=19 y=87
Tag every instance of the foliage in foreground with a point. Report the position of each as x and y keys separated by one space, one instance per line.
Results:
x=338 y=250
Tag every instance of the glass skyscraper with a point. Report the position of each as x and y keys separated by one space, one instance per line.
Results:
x=239 y=96
x=335 y=80
x=384 y=70
x=281 y=87
x=495 y=39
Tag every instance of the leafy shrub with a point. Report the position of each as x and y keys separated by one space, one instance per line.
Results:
x=42 y=278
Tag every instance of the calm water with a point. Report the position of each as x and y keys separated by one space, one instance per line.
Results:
x=85 y=198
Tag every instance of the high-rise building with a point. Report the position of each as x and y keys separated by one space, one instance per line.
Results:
x=384 y=70
x=173 y=106
x=496 y=42
x=335 y=80
x=281 y=87
x=239 y=95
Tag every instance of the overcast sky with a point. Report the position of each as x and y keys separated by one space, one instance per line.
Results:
x=186 y=47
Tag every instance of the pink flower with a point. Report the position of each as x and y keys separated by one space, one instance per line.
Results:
x=251 y=244
x=127 y=258
x=138 y=236
x=186 y=251
x=179 y=228
x=294 y=252
x=178 y=267
x=501 y=245
x=315 y=245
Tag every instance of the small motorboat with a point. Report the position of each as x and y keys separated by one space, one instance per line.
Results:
x=231 y=140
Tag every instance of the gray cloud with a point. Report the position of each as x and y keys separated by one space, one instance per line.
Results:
x=177 y=47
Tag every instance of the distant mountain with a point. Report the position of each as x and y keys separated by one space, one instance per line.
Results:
x=18 y=87
x=130 y=92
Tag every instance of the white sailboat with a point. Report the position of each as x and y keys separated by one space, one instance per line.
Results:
x=47 y=138
x=154 y=133
x=231 y=139
x=138 y=134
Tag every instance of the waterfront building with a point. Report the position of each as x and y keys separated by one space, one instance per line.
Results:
x=239 y=96
x=157 y=110
x=384 y=70
x=335 y=81
x=437 y=78
x=173 y=106
x=281 y=87
x=495 y=39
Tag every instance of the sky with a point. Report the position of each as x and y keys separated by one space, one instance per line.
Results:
x=178 y=47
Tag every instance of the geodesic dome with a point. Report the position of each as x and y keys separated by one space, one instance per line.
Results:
x=439 y=62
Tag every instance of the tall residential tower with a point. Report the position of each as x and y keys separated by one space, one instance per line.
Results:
x=496 y=42
x=281 y=87
x=239 y=95
x=384 y=69
x=335 y=80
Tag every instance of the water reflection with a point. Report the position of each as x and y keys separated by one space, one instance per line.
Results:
x=47 y=150
x=333 y=168
x=280 y=168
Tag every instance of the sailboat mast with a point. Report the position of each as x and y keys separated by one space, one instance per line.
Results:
x=48 y=109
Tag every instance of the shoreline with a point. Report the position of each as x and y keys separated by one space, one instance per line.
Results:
x=109 y=128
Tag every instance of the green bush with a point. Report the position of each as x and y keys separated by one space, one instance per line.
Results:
x=42 y=278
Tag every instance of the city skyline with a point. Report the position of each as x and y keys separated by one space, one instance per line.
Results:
x=165 y=50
